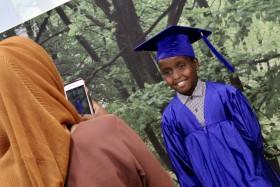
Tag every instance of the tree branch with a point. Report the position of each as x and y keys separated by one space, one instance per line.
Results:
x=42 y=27
x=106 y=64
x=266 y=59
x=79 y=38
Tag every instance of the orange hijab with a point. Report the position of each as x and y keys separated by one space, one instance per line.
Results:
x=34 y=140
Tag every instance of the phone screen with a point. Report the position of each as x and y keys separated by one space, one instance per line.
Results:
x=77 y=96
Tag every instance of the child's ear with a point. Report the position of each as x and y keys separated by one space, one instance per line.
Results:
x=196 y=63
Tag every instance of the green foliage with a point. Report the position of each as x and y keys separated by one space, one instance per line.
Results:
x=144 y=106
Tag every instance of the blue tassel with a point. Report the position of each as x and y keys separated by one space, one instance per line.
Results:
x=217 y=54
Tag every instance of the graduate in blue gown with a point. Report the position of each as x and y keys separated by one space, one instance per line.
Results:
x=212 y=135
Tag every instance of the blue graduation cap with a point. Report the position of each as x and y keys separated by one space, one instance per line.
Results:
x=177 y=41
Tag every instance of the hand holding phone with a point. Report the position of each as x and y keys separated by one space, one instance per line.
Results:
x=77 y=94
x=98 y=111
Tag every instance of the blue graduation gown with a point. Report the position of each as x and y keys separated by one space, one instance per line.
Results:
x=227 y=152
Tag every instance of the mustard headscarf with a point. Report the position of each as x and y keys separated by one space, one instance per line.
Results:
x=34 y=140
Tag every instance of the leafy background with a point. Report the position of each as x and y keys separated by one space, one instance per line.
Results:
x=94 y=40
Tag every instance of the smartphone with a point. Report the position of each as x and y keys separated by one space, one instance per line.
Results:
x=76 y=93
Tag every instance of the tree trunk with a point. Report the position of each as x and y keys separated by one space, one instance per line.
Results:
x=42 y=27
x=128 y=33
x=176 y=12
x=158 y=146
x=274 y=163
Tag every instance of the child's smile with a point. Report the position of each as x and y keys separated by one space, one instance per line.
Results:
x=180 y=73
x=181 y=84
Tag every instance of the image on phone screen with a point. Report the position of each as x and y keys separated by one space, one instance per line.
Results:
x=77 y=96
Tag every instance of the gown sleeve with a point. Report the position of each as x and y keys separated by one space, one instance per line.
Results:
x=246 y=121
x=178 y=156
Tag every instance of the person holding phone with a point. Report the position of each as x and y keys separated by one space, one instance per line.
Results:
x=35 y=141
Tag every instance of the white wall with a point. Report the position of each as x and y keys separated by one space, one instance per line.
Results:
x=15 y=12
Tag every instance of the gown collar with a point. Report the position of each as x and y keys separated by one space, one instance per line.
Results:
x=199 y=91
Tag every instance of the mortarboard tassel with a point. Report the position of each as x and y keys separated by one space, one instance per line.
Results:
x=218 y=55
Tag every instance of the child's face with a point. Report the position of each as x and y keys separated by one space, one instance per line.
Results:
x=180 y=73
